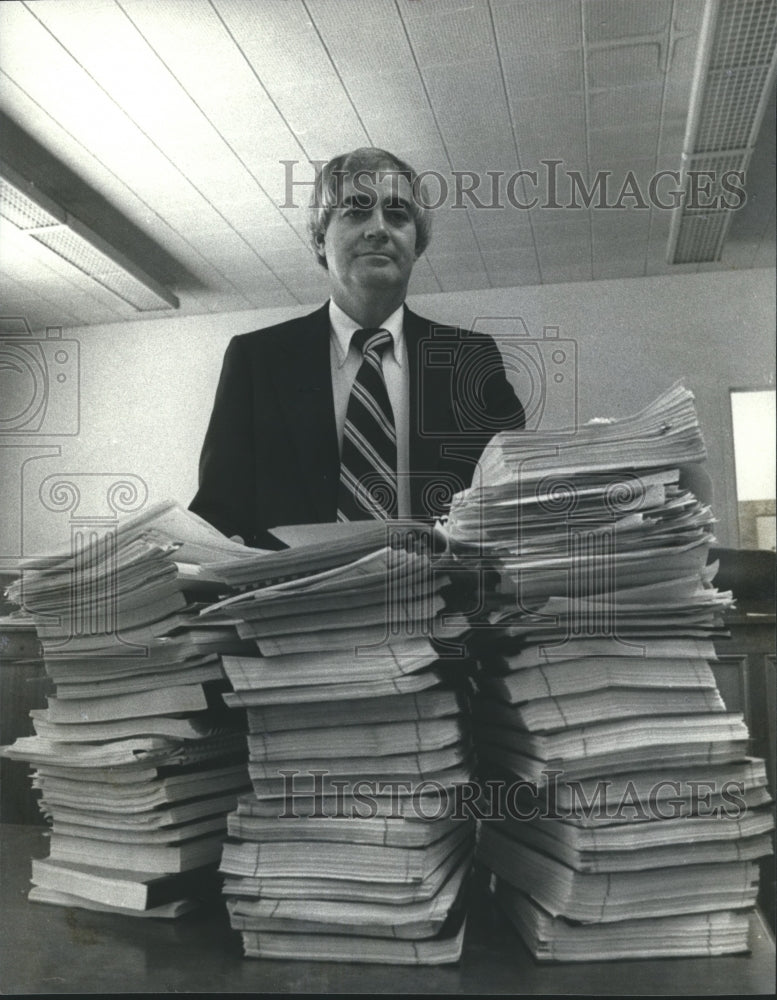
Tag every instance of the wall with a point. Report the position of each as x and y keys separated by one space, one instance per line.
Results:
x=146 y=388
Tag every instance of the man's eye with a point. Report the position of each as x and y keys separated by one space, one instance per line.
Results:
x=361 y=204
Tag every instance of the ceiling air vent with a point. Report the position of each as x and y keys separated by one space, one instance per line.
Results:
x=735 y=70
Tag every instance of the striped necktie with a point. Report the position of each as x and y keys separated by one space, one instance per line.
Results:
x=368 y=464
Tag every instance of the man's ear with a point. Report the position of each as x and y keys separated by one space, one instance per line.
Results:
x=320 y=245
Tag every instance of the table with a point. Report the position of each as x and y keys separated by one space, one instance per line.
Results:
x=49 y=949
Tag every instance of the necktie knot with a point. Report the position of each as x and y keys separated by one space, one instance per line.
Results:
x=373 y=340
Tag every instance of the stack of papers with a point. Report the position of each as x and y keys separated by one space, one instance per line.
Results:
x=136 y=758
x=626 y=819
x=348 y=849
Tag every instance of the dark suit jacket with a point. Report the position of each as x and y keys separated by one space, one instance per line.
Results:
x=270 y=455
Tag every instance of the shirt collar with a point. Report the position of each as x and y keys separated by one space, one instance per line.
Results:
x=343 y=328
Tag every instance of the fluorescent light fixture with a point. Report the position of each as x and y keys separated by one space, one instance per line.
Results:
x=41 y=218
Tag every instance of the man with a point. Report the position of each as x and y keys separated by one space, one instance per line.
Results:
x=314 y=421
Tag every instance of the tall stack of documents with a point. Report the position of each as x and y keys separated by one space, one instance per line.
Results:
x=626 y=818
x=136 y=757
x=348 y=847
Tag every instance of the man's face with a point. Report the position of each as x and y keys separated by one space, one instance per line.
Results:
x=370 y=241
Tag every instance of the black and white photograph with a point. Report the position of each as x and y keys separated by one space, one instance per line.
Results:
x=388 y=497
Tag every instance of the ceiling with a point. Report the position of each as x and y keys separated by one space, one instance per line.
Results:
x=163 y=126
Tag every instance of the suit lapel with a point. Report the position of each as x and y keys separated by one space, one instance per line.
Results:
x=304 y=385
x=429 y=410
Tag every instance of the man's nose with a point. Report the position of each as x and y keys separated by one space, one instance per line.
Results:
x=376 y=225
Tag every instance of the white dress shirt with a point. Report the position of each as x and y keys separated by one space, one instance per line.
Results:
x=345 y=361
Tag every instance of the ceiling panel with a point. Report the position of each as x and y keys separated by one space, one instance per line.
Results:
x=372 y=43
x=625 y=65
x=448 y=33
x=615 y=19
x=284 y=49
x=537 y=74
x=553 y=274
x=182 y=44
x=148 y=94
x=472 y=114
x=519 y=265
x=619 y=107
x=527 y=26
x=168 y=123
x=424 y=278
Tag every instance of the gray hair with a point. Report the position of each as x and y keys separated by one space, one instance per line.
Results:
x=329 y=184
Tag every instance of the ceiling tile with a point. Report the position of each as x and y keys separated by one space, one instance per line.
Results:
x=161 y=108
x=316 y=122
x=671 y=138
x=662 y=267
x=448 y=33
x=553 y=226
x=538 y=74
x=472 y=113
x=608 y=144
x=688 y=15
x=618 y=267
x=29 y=301
x=620 y=107
x=464 y=263
x=624 y=65
x=509 y=278
x=269 y=296
x=309 y=285
x=503 y=230
x=369 y=40
x=615 y=248
x=620 y=225
x=526 y=26
x=428 y=276
x=561 y=273
x=279 y=40
x=521 y=261
x=283 y=47
x=570 y=251
x=555 y=113
x=618 y=177
x=611 y=19
x=181 y=43
x=394 y=110
x=684 y=49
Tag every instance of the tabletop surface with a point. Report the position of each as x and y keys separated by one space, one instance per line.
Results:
x=51 y=949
